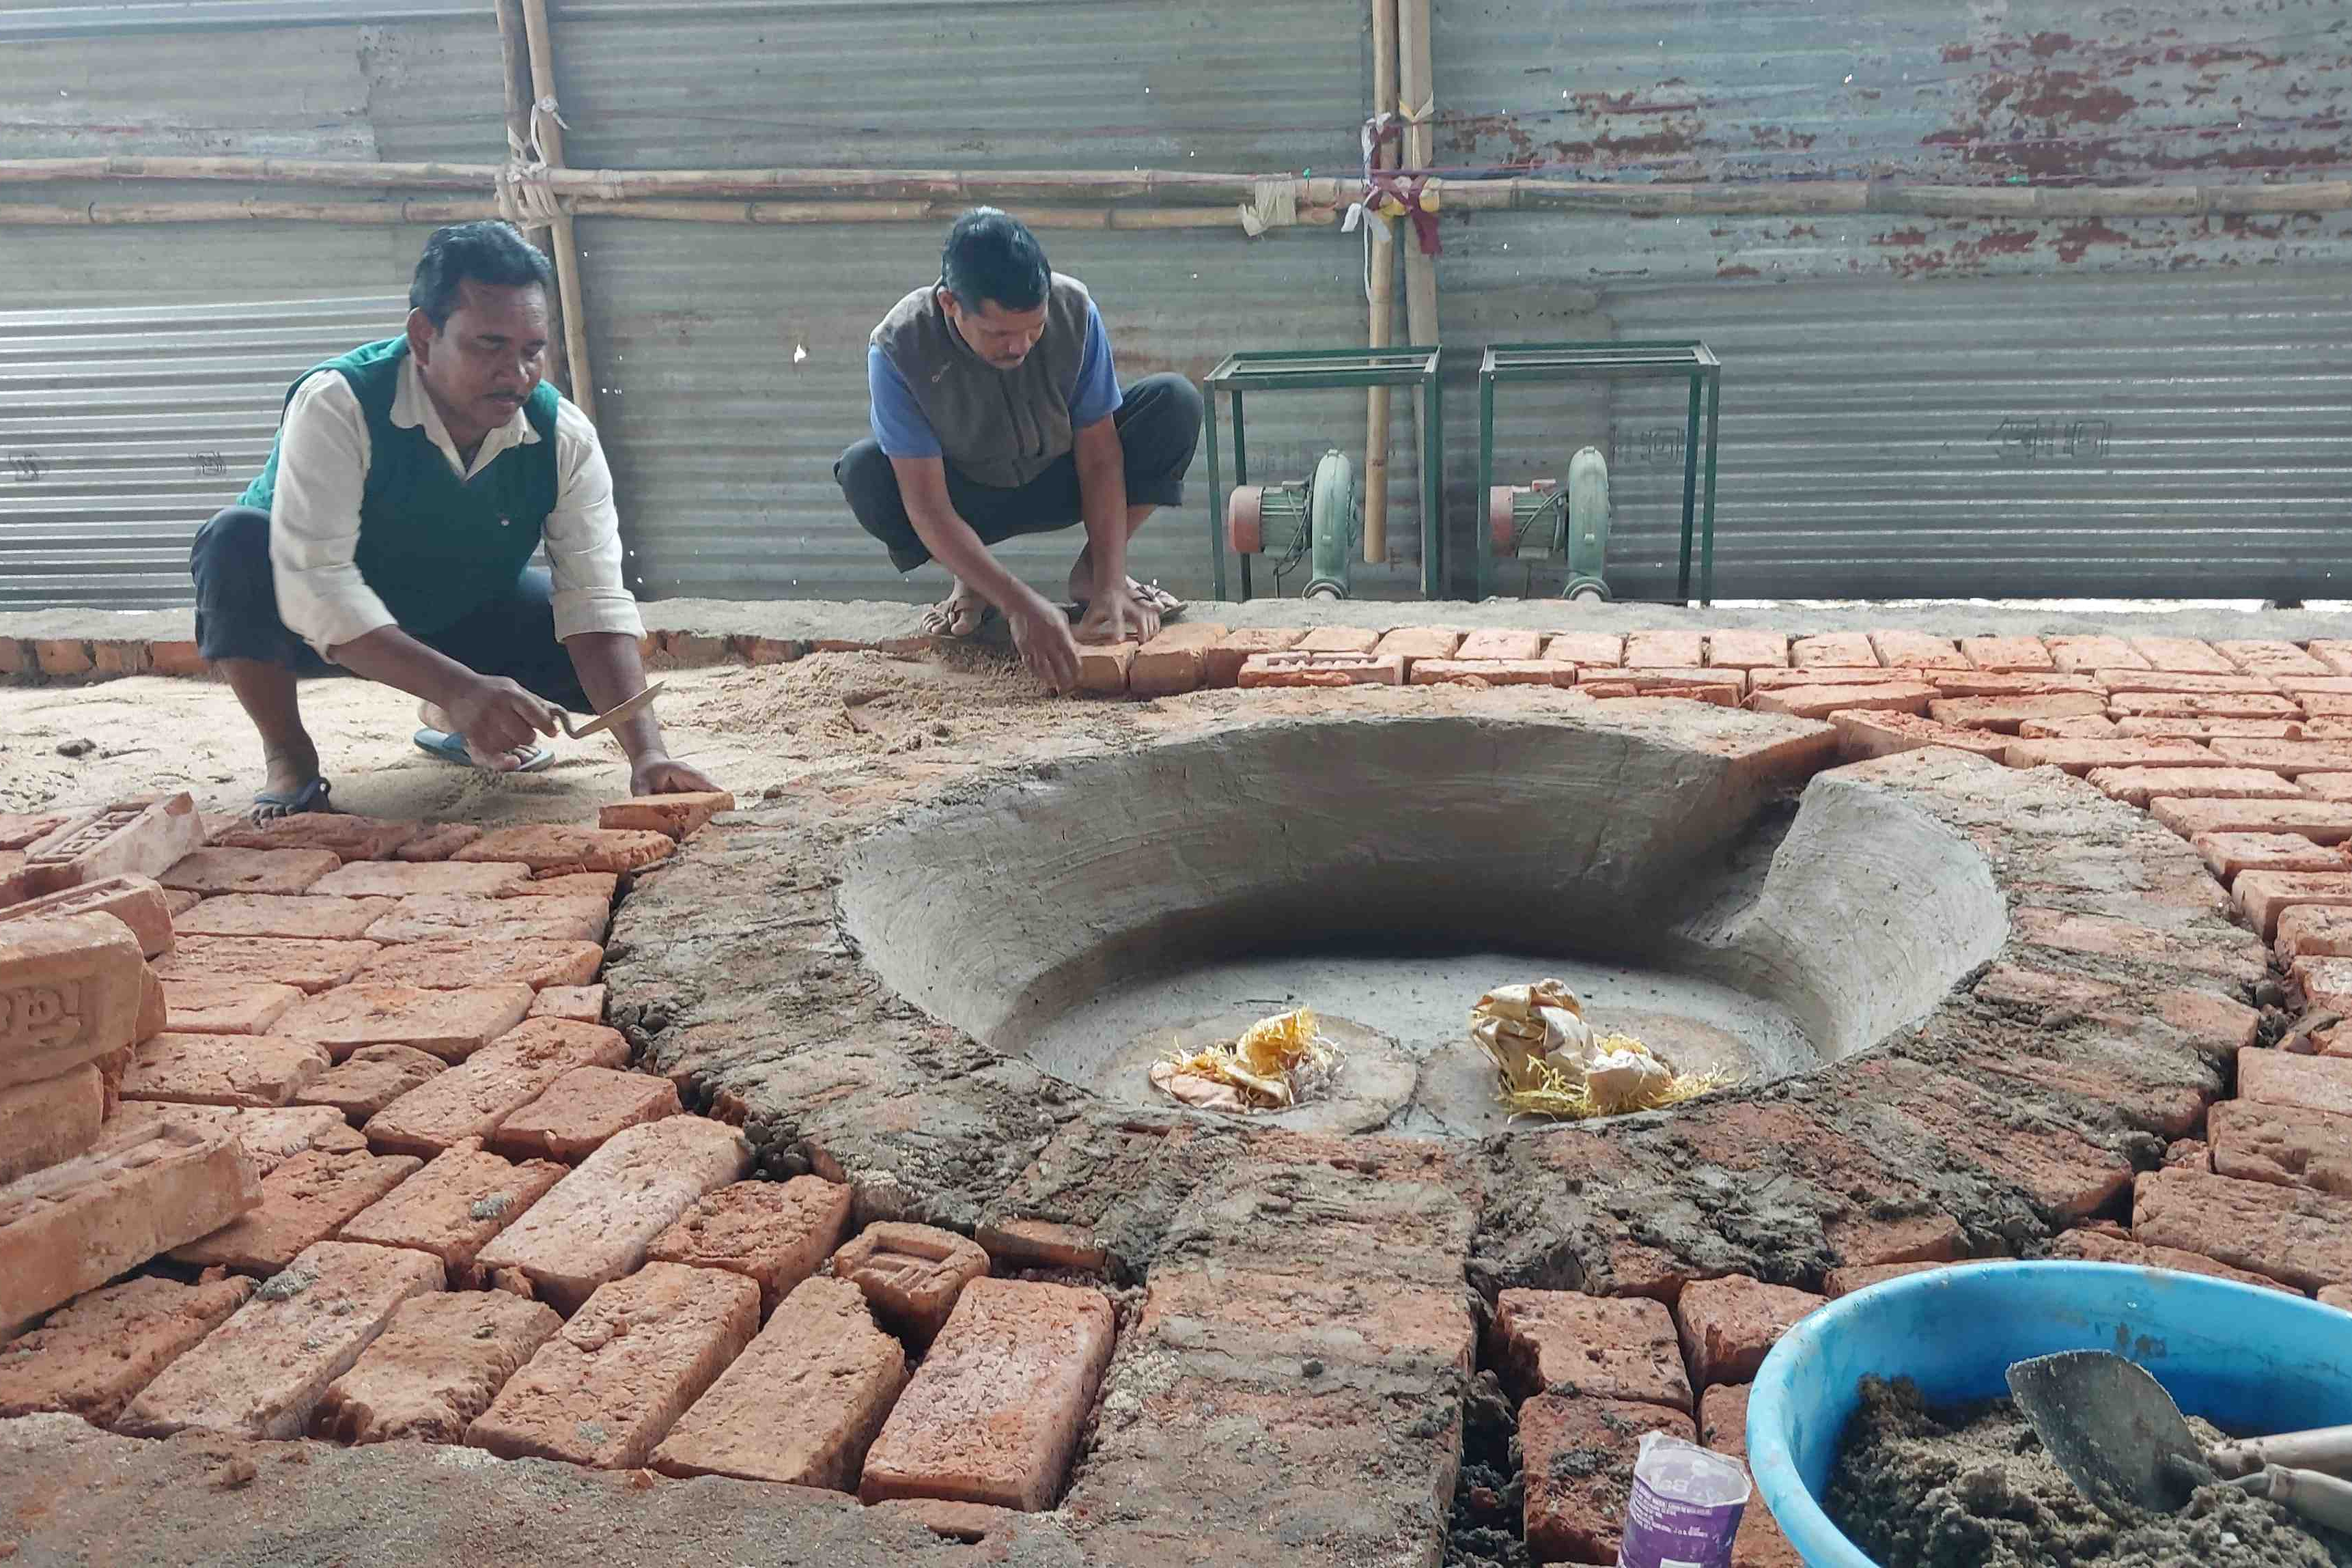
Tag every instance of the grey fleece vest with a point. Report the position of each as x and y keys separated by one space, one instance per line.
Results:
x=999 y=427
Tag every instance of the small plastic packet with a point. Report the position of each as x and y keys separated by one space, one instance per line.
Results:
x=1686 y=1506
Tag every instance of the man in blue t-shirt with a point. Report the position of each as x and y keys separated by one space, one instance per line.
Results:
x=997 y=412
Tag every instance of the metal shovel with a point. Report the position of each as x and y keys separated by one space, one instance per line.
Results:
x=611 y=716
x=2120 y=1438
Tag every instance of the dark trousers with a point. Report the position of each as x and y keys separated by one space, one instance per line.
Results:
x=237 y=616
x=1159 y=423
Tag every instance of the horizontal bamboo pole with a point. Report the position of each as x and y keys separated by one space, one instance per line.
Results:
x=108 y=214
x=102 y=215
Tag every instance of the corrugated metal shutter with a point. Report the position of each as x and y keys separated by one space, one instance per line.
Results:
x=122 y=430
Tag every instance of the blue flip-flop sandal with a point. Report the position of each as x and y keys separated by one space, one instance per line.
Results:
x=451 y=748
x=310 y=797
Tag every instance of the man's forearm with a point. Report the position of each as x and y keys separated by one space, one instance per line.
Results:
x=611 y=672
x=1102 y=503
x=392 y=658
x=954 y=545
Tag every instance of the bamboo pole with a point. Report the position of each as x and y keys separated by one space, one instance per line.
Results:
x=1414 y=71
x=514 y=59
x=102 y=214
x=583 y=389
x=1380 y=261
x=110 y=214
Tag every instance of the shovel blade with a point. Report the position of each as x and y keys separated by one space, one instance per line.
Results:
x=2111 y=1427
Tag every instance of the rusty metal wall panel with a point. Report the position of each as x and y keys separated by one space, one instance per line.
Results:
x=1269 y=88
x=732 y=373
x=122 y=429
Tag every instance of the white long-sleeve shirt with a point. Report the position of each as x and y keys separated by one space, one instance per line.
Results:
x=314 y=514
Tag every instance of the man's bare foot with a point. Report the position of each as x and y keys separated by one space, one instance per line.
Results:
x=960 y=615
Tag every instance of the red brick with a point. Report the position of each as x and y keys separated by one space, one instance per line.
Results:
x=548 y=847
x=1821 y=701
x=307 y=965
x=92 y=1355
x=1221 y=661
x=1338 y=639
x=487 y=922
x=2309 y=1083
x=2263 y=895
x=1747 y=650
x=584 y=1004
x=1976 y=684
x=20 y=828
x=75 y=1226
x=2227 y=854
x=2189 y=1154
x=679 y=816
x=453 y=1207
x=1586 y=648
x=401 y=878
x=1727 y=1325
x=596 y=1224
x=2199 y=705
x=472 y=1099
x=2333 y=652
x=2006 y=713
x=274 y=914
x=608 y=1387
x=71 y=992
x=1490 y=672
x=602 y=886
x=1103 y=667
x=2323 y=822
x=129 y=839
x=464 y=963
x=1556 y=1342
x=225 y=1006
x=971 y=1522
x=1863 y=734
x=438 y=841
x=1917 y=650
x=1304 y=668
x=2092 y=1247
x=63 y=656
x=1172 y=662
x=2080 y=757
x=451 y=1025
x=802 y=1405
x=1665 y=650
x=369 y=1079
x=1723 y=1426
x=177 y=658
x=2138 y=786
x=1500 y=642
x=2326 y=983
x=2084 y=727
x=913 y=1274
x=2206 y=729
x=136 y=901
x=1580 y=1455
x=1843 y=1282
x=1412 y=643
x=280 y=871
x=2009 y=986
x=305 y=1200
x=579 y=1111
x=2127 y=682
x=993 y=1415
x=2010 y=653
x=342 y=834
x=439 y=1363
x=265 y=1371
x=1861 y=1241
x=154 y=1017
x=2104 y=937
x=2326 y=786
x=2182 y=654
x=2094 y=652
x=2271 y=655
x=2282 y=1144
x=2314 y=930
x=2217 y=1026
x=119 y=657
x=1815 y=676
x=50 y=1122
x=269 y=1136
x=1841 y=648
x=223 y=1069
x=774 y=1233
x=1044 y=1244
x=2291 y=758
x=2294 y=1235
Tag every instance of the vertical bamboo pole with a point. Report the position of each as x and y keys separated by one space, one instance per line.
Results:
x=514 y=57
x=567 y=250
x=1382 y=263
x=1414 y=71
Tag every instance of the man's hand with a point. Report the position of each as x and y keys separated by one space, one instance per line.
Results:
x=1042 y=634
x=1116 y=615
x=498 y=717
x=659 y=775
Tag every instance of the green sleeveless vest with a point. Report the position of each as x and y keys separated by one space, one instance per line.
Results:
x=433 y=546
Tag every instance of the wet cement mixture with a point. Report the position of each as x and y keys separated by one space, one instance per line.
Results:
x=1972 y=1488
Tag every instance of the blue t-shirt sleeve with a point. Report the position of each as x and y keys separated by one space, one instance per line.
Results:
x=1095 y=397
x=897 y=420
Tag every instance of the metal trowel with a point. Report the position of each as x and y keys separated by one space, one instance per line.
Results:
x=611 y=716
x=2120 y=1438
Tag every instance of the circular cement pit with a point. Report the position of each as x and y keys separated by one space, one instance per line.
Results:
x=1388 y=870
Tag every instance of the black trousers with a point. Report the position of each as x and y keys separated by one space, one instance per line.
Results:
x=237 y=616
x=1159 y=423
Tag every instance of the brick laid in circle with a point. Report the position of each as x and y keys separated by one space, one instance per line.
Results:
x=776 y=1233
x=91 y=1356
x=451 y=1025
x=1558 y=1342
x=303 y=1202
x=1579 y=1456
x=439 y=1362
x=453 y=1206
x=1728 y=1325
x=473 y=1098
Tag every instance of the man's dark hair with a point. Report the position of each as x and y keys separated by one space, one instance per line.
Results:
x=991 y=257
x=486 y=251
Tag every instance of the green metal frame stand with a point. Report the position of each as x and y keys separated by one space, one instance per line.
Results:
x=1299 y=370
x=1639 y=360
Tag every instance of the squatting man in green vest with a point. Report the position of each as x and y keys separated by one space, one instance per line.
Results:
x=996 y=412
x=391 y=533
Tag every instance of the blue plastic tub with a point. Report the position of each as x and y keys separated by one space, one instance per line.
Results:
x=2251 y=1360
